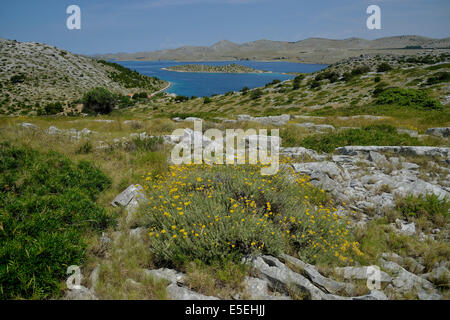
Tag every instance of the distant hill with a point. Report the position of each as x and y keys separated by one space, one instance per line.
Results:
x=312 y=50
x=33 y=75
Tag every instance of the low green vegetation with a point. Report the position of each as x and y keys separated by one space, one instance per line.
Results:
x=439 y=77
x=373 y=135
x=430 y=209
x=47 y=207
x=132 y=79
x=406 y=97
x=378 y=237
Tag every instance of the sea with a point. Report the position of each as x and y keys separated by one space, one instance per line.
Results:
x=207 y=84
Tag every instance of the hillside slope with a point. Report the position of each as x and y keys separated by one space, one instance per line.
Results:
x=312 y=50
x=33 y=75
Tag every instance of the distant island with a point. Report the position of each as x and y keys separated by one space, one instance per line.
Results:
x=203 y=68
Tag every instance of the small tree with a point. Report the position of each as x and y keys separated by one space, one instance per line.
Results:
x=256 y=94
x=54 y=108
x=18 y=78
x=383 y=67
x=98 y=100
x=207 y=100
x=181 y=98
x=244 y=90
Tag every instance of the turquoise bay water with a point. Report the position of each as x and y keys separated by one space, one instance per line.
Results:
x=206 y=84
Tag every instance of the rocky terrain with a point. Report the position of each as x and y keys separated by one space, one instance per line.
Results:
x=361 y=212
x=313 y=50
x=33 y=75
x=364 y=181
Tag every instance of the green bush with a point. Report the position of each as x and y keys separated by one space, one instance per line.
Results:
x=332 y=76
x=47 y=204
x=53 y=108
x=373 y=135
x=221 y=213
x=256 y=94
x=207 y=100
x=18 y=78
x=430 y=207
x=244 y=90
x=439 y=77
x=384 y=67
x=181 y=98
x=406 y=97
x=360 y=70
x=98 y=100
x=314 y=84
x=298 y=81
x=140 y=95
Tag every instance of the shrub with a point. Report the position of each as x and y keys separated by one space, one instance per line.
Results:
x=217 y=213
x=53 y=108
x=47 y=204
x=314 y=84
x=18 y=78
x=347 y=76
x=429 y=207
x=98 y=100
x=244 y=90
x=140 y=95
x=181 y=98
x=124 y=101
x=406 y=97
x=274 y=82
x=384 y=67
x=438 y=78
x=360 y=70
x=298 y=81
x=376 y=135
x=377 y=79
x=207 y=100
x=256 y=94
x=332 y=76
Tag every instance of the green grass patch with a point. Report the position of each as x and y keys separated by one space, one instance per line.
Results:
x=428 y=207
x=373 y=135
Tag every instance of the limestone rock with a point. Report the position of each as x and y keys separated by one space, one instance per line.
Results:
x=170 y=275
x=82 y=293
x=360 y=273
x=439 y=132
x=176 y=292
x=319 y=280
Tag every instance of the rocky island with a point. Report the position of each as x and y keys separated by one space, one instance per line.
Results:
x=203 y=68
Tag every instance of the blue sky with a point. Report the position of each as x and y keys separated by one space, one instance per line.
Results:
x=133 y=25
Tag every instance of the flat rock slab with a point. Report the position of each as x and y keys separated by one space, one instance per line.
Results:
x=407 y=150
x=176 y=292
